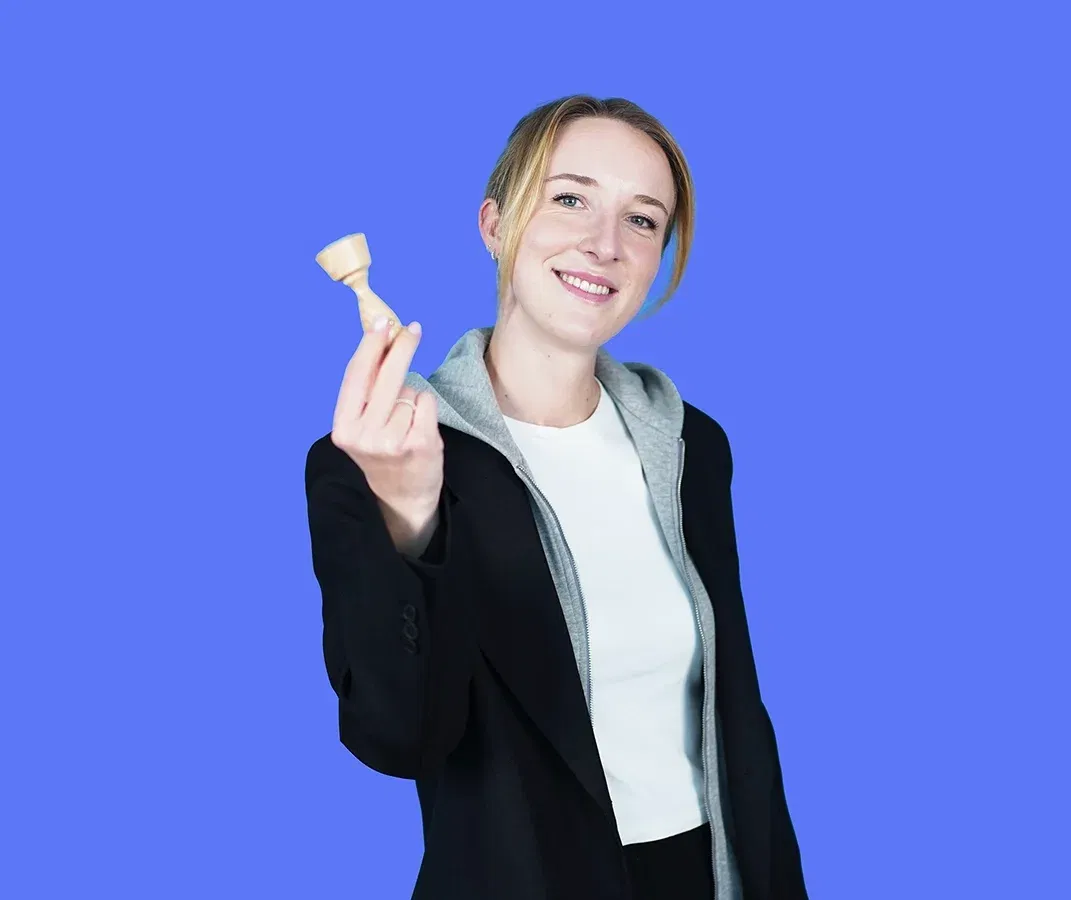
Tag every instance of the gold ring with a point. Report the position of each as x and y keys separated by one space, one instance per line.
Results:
x=407 y=402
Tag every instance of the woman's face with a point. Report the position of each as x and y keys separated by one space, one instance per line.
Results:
x=601 y=219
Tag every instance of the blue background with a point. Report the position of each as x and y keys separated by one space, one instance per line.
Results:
x=876 y=312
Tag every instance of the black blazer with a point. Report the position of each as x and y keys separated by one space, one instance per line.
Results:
x=456 y=670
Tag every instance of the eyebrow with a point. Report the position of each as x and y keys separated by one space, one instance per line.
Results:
x=588 y=181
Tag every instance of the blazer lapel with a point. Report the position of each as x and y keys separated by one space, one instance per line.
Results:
x=522 y=630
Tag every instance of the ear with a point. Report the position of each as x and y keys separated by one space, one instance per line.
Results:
x=489 y=221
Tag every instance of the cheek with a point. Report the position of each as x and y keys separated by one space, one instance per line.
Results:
x=551 y=233
x=645 y=260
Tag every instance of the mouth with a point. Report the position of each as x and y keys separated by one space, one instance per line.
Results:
x=592 y=288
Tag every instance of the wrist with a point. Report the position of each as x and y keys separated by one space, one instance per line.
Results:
x=412 y=530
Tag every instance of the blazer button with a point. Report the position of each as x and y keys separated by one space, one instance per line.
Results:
x=410 y=646
x=409 y=613
x=410 y=631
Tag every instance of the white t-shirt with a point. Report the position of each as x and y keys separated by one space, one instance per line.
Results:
x=644 y=642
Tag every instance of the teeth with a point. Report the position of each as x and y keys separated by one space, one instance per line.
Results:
x=583 y=285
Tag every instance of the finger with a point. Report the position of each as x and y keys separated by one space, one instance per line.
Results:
x=360 y=374
x=400 y=420
x=391 y=376
x=424 y=431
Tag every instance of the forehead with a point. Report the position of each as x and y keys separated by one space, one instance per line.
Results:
x=616 y=155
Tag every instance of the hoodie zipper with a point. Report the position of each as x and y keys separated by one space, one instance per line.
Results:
x=703 y=656
x=530 y=481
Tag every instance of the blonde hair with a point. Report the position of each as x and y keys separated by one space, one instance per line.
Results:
x=516 y=184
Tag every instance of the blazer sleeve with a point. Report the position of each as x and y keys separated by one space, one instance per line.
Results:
x=398 y=641
x=786 y=869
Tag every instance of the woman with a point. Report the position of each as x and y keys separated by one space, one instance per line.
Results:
x=531 y=602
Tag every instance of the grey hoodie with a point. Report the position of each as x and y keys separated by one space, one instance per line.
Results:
x=654 y=416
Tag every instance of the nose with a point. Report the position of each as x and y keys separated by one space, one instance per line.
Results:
x=602 y=240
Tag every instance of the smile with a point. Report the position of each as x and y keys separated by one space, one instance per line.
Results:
x=579 y=285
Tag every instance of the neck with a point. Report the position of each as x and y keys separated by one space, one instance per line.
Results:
x=540 y=384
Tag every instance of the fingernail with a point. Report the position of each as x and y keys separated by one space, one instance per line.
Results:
x=379 y=323
x=414 y=327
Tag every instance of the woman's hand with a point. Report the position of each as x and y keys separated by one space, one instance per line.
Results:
x=399 y=448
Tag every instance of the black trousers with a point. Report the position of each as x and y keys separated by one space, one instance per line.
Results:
x=679 y=867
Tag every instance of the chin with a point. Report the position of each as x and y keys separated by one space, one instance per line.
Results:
x=577 y=334
x=567 y=320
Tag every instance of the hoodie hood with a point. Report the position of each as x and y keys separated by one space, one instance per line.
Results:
x=646 y=397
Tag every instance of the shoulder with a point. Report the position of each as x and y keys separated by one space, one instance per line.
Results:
x=652 y=392
x=704 y=435
x=703 y=425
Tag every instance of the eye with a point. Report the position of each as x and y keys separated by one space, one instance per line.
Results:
x=646 y=222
